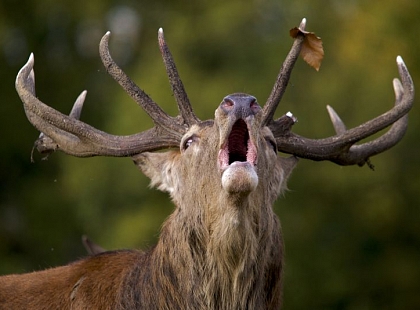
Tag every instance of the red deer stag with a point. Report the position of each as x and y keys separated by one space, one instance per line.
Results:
x=222 y=246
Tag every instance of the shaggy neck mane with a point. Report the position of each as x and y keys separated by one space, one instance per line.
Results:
x=217 y=260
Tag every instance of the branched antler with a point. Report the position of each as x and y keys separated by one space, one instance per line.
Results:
x=74 y=137
x=341 y=149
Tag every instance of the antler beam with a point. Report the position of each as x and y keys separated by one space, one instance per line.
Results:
x=341 y=149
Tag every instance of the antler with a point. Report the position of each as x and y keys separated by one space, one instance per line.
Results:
x=74 y=137
x=283 y=77
x=341 y=148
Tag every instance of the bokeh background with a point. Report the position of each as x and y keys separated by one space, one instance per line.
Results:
x=352 y=235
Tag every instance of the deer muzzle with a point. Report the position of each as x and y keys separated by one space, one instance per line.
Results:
x=238 y=154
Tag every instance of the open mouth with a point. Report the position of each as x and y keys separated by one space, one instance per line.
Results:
x=238 y=147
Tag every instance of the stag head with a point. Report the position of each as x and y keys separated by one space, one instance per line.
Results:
x=236 y=152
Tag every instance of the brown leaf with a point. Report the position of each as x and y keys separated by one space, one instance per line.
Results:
x=312 y=51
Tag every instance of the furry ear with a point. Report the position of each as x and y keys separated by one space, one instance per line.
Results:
x=159 y=168
x=287 y=165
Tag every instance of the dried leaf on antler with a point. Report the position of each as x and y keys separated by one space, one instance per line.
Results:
x=312 y=51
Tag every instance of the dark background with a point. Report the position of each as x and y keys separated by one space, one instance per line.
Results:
x=352 y=235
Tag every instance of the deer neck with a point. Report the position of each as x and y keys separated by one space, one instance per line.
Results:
x=219 y=250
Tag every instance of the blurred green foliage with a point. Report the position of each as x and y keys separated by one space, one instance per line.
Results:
x=352 y=235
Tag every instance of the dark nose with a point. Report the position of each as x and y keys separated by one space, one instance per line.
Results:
x=240 y=105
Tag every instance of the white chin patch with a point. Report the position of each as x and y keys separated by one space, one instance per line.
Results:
x=239 y=177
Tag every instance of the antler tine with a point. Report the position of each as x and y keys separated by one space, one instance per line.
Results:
x=76 y=111
x=44 y=144
x=184 y=105
x=338 y=124
x=158 y=116
x=283 y=77
x=341 y=149
x=360 y=153
x=77 y=138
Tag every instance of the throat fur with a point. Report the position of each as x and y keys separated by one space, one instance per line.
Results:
x=233 y=260
x=232 y=257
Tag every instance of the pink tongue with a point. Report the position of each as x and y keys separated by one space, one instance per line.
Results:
x=251 y=155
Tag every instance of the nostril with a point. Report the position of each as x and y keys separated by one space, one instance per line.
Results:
x=227 y=104
x=255 y=107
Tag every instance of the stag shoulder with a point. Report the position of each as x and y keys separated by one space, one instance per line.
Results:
x=96 y=280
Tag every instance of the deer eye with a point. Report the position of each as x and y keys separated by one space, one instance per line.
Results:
x=187 y=142
x=271 y=143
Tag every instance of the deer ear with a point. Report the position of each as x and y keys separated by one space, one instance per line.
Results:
x=159 y=168
x=287 y=164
